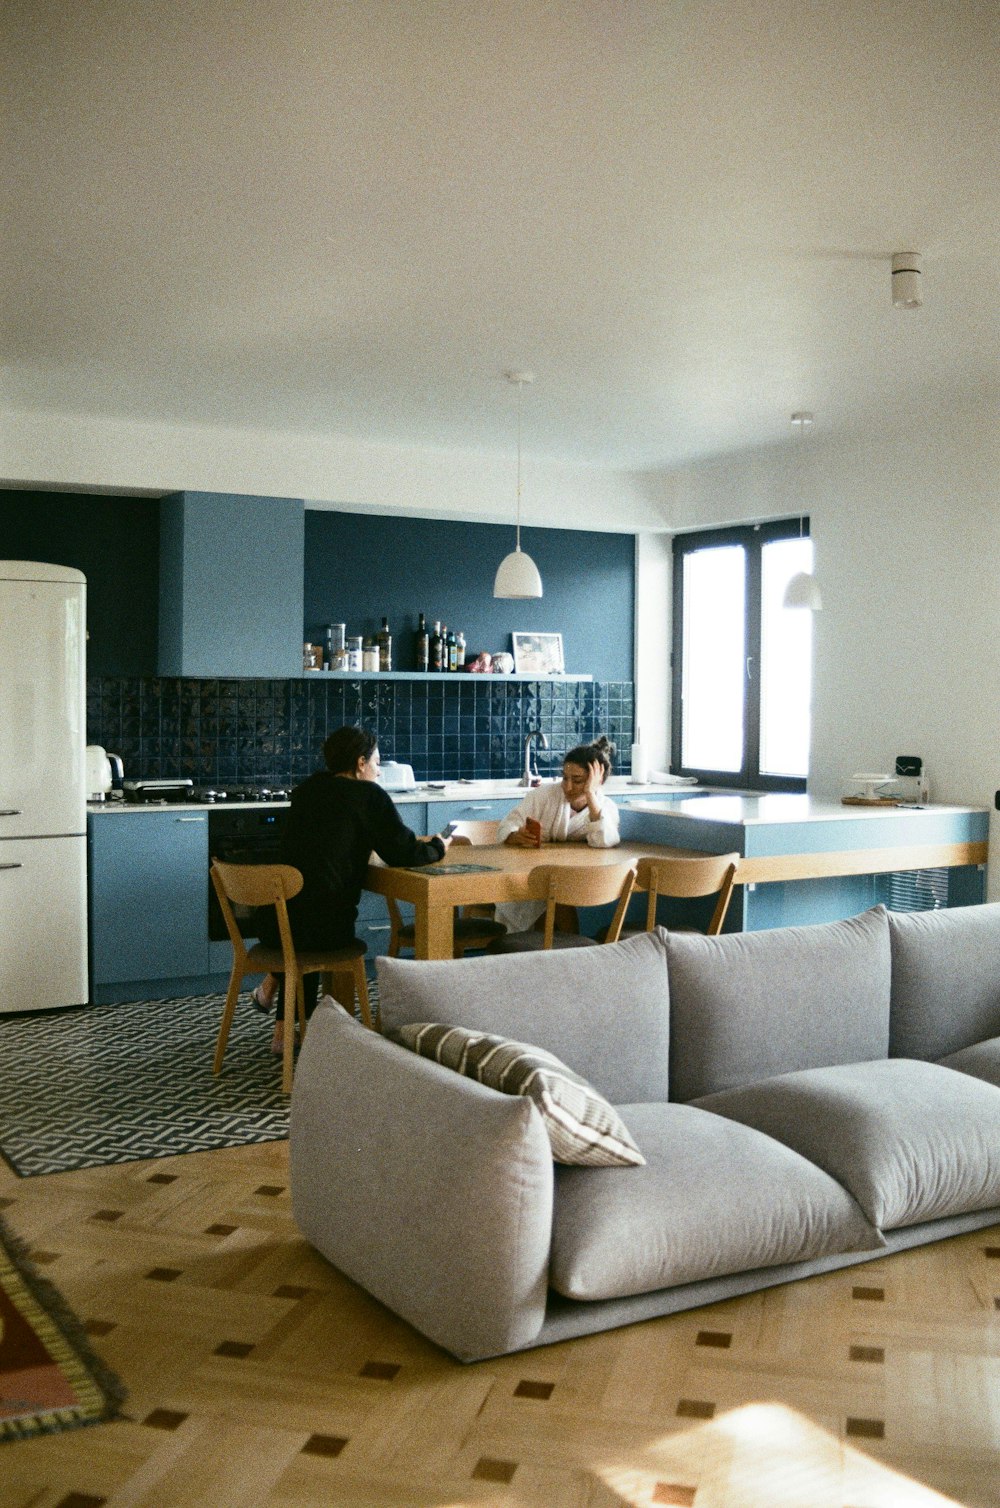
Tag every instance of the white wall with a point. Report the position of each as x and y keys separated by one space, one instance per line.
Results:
x=906 y=529
x=84 y=451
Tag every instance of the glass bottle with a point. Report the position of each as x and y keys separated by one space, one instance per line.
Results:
x=384 y=647
x=460 y=650
x=452 y=650
x=423 y=645
x=437 y=648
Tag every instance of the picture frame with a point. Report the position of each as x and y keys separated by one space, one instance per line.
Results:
x=538 y=654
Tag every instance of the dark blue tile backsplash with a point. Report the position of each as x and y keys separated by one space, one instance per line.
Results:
x=272 y=732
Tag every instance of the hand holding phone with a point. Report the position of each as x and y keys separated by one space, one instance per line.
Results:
x=534 y=830
x=447 y=830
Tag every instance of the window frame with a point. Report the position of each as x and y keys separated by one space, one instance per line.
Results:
x=753 y=538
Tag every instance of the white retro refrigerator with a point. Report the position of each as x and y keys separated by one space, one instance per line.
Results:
x=43 y=813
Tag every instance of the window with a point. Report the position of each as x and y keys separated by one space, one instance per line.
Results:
x=742 y=663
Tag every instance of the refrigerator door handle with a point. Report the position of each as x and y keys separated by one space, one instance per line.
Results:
x=11 y=866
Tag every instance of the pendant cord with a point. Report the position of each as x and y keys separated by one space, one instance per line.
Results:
x=519 y=390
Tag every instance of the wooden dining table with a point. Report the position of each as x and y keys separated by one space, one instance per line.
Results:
x=479 y=875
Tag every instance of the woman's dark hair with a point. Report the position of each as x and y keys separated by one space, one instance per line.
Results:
x=345 y=746
x=602 y=749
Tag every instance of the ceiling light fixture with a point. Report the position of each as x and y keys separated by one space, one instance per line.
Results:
x=802 y=590
x=517 y=575
x=907 y=292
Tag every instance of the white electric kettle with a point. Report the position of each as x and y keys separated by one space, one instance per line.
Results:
x=103 y=770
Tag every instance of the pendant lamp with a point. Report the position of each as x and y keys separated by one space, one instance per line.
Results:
x=517 y=575
x=802 y=590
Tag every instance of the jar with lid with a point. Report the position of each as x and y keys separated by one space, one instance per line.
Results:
x=369 y=655
x=354 y=653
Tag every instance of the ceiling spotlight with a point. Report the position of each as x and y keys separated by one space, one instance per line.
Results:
x=906 y=290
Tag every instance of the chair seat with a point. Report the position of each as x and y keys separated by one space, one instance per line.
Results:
x=466 y=927
x=272 y=960
x=532 y=942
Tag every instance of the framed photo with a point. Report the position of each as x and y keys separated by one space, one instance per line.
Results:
x=538 y=654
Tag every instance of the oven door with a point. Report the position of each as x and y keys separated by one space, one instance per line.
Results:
x=244 y=835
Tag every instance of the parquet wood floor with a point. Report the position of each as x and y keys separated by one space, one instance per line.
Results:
x=257 y=1375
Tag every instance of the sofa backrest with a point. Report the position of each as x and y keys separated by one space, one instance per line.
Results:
x=945 y=980
x=746 y=1005
x=603 y=1010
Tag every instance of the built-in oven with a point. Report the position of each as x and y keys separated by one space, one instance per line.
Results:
x=245 y=834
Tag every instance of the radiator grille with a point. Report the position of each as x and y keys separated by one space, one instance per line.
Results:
x=913 y=889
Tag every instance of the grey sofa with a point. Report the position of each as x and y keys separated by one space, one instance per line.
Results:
x=805 y=1098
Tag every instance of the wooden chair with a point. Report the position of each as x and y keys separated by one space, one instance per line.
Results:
x=470 y=931
x=573 y=885
x=684 y=879
x=274 y=885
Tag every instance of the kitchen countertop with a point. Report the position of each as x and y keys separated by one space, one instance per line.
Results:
x=746 y=808
x=619 y=786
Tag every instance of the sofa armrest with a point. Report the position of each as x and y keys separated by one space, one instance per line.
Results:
x=431 y=1191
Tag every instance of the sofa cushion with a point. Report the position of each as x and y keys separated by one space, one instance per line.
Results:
x=603 y=1011
x=945 y=980
x=713 y=1198
x=749 y=1005
x=912 y=1141
x=981 y=1060
x=582 y=1127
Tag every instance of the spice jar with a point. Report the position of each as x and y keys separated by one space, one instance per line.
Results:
x=354 y=661
x=369 y=655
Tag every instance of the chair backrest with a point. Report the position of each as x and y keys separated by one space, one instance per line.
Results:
x=256 y=885
x=477 y=833
x=584 y=885
x=711 y=874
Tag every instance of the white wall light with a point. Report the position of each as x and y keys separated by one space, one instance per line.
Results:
x=802 y=590
x=907 y=292
x=517 y=575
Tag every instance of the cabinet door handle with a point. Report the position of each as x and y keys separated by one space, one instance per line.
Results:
x=483 y=806
x=11 y=866
x=378 y=927
x=10 y=811
x=190 y=819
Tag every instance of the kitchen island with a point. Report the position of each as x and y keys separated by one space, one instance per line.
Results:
x=806 y=860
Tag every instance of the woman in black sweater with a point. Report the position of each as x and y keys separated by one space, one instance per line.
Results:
x=338 y=817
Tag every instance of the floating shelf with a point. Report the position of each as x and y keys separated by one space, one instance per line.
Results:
x=455 y=677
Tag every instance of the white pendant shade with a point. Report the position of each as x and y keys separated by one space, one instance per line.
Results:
x=517 y=576
x=802 y=591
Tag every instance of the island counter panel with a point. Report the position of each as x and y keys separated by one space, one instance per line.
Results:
x=806 y=861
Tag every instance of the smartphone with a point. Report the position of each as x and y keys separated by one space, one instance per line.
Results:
x=447 y=830
x=534 y=827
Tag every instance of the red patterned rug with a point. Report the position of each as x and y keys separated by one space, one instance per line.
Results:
x=49 y=1377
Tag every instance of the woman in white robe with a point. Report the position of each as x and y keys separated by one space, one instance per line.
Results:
x=572 y=810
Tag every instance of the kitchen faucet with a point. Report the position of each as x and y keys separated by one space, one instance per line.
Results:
x=529 y=774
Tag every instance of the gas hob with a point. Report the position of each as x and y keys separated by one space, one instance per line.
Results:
x=153 y=792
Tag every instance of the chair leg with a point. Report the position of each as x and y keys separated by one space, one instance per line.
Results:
x=293 y=1003
x=342 y=988
x=232 y=995
x=361 y=985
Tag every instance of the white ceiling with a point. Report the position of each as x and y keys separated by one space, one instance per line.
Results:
x=351 y=218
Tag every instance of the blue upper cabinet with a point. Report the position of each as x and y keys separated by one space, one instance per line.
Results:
x=231 y=574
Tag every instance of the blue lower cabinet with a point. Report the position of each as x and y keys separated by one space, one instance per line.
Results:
x=471 y=811
x=148 y=898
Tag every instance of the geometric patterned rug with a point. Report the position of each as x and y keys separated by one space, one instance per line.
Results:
x=102 y=1084
x=50 y=1379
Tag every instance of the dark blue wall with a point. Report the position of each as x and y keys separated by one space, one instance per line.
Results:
x=115 y=542
x=359 y=566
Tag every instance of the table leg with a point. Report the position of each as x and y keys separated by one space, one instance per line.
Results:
x=434 y=931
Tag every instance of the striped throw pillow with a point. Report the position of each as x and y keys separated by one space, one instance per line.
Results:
x=583 y=1128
